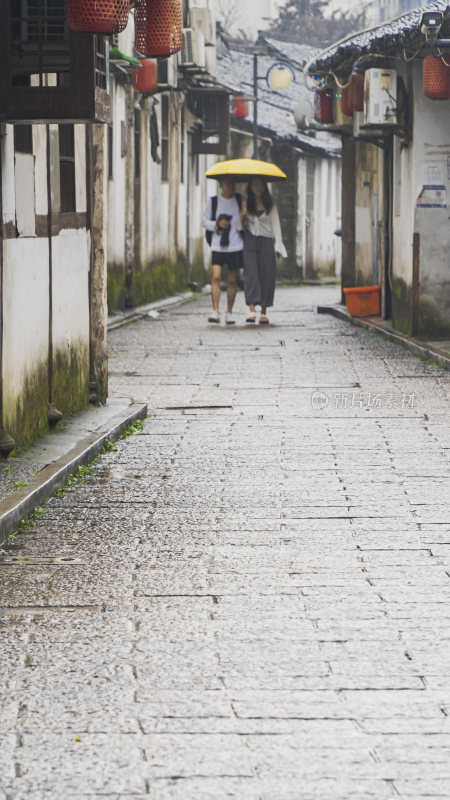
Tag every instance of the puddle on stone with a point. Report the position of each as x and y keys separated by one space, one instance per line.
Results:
x=39 y=561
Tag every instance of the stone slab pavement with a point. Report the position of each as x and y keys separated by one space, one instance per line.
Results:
x=249 y=598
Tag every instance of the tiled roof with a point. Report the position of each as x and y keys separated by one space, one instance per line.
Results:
x=275 y=108
x=387 y=38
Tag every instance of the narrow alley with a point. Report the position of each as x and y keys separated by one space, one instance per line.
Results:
x=250 y=597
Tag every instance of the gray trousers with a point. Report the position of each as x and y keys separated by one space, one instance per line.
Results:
x=259 y=270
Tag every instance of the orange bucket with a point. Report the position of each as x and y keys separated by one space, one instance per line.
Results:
x=363 y=301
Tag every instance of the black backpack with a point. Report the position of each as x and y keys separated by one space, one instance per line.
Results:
x=214 y=201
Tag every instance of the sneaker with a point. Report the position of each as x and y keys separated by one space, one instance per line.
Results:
x=214 y=317
x=229 y=319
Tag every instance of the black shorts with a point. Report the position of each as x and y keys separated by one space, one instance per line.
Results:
x=233 y=260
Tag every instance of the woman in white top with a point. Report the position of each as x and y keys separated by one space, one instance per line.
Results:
x=262 y=243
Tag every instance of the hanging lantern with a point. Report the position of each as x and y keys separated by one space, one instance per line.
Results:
x=436 y=78
x=346 y=108
x=98 y=16
x=323 y=107
x=158 y=27
x=356 y=91
x=240 y=106
x=145 y=79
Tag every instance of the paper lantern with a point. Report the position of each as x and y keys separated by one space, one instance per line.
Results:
x=346 y=108
x=145 y=80
x=436 y=78
x=98 y=16
x=158 y=27
x=356 y=91
x=240 y=106
x=323 y=107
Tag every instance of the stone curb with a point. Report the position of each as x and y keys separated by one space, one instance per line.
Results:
x=426 y=353
x=22 y=502
x=159 y=305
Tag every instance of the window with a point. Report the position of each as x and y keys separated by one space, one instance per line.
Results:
x=23 y=139
x=67 y=167
x=164 y=138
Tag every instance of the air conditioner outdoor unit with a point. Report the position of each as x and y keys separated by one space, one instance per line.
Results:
x=167 y=73
x=380 y=97
x=202 y=20
x=193 y=50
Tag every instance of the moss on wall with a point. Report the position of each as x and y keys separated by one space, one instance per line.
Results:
x=401 y=306
x=70 y=384
x=25 y=417
x=198 y=272
x=325 y=269
x=433 y=320
x=117 y=290
x=157 y=279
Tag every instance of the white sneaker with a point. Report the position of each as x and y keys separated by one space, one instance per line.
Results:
x=229 y=319
x=214 y=317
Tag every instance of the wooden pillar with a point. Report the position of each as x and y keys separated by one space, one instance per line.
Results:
x=98 y=172
x=348 y=214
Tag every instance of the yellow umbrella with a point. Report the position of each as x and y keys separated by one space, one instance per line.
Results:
x=244 y=169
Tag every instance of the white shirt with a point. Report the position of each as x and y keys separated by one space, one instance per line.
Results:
x=268 y=224
x=225 y=205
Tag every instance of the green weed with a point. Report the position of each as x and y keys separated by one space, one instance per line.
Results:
x=134 y=427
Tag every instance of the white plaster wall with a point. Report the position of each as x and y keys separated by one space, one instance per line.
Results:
x=326 y=212
x=430 y=147
x=40 y=168
x=80 y=168
x=7 y=173
x=116 y=185
x=301 y=212
x=70 y=281
x=156 y=235
x=25 y=287
x=431 y=165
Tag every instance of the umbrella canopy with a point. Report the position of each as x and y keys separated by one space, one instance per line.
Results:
x=244 y=169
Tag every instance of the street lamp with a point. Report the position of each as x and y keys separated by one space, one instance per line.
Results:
x=279 y=76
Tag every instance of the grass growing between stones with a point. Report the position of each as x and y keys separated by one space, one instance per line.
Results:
x=84 y=471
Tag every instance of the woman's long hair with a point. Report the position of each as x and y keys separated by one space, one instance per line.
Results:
x=266 y=198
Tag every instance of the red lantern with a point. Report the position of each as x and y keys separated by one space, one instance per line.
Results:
x=145 y=80
x=436 y=78
x=345 y=102
x=323 y=107
x=240 y=106
x=356 y=91
x=158 y=26
x=98 y=16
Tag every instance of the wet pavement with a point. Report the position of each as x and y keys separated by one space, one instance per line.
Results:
x=250 y=597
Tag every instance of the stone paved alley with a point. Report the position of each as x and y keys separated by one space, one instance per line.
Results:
x=249 y=599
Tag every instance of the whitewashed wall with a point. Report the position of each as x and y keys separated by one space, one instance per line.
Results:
x=327 y=216
x=26 y=302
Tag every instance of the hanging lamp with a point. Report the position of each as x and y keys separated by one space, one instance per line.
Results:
x=436 y=78
x=98 y=16
x=158 y=26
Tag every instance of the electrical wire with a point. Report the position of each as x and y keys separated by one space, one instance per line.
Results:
x=413 y=56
